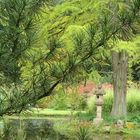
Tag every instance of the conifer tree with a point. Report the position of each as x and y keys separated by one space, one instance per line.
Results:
x=49 y=60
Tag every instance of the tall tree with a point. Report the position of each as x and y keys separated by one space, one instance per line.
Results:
x=120 y=58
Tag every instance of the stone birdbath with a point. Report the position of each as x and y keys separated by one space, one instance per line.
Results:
x=99 y=92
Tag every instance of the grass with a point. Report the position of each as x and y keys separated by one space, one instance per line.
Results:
x=66 y=102
x=64 y=126
x=133 y=101
x=68 y=127
x=50 y=112
x=133 y=106
x=135 y=132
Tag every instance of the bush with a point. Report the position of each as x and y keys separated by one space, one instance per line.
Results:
x=108 y=101
x=66 y=128
x=79 y=130
x=88 y=116
x=134 y=118
x=63 y=101
x=58 y=101
x=43 y=103
x=91 y=105
x=83 y=131
x=133 y=101
x=74 y=101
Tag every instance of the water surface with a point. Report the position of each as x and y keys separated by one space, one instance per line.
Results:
x=42 y=129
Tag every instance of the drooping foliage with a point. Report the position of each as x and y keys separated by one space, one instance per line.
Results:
x=17 y=20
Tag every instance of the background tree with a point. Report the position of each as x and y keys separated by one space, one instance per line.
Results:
x=120 y=58
x=125 y=33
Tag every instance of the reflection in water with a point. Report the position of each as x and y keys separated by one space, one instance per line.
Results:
x=39 y=129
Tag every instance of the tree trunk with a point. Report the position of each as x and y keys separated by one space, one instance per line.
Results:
x=120 y=66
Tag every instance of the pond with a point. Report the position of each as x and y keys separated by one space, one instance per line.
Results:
x=42 y=129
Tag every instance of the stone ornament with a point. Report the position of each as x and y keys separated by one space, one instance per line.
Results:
x=99 y=92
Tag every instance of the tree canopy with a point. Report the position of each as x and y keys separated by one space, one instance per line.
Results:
x=44 y=44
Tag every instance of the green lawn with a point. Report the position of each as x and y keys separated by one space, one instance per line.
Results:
x=50 y=112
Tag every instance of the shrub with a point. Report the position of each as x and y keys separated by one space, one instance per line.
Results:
x=74 y=101
x=133 y=101
x=43 y=103
x=56 y=101
x=12 y=133
x=134 y=118
x=83 y=130
x=88 y=116
x=91 y=104
x=79 y=130
x=108 y=101
x=63 y=101
x=66 y=128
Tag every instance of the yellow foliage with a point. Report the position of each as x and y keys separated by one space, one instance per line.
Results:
x=129 y=125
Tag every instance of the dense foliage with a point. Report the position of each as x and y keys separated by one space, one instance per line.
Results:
x=44 y=44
